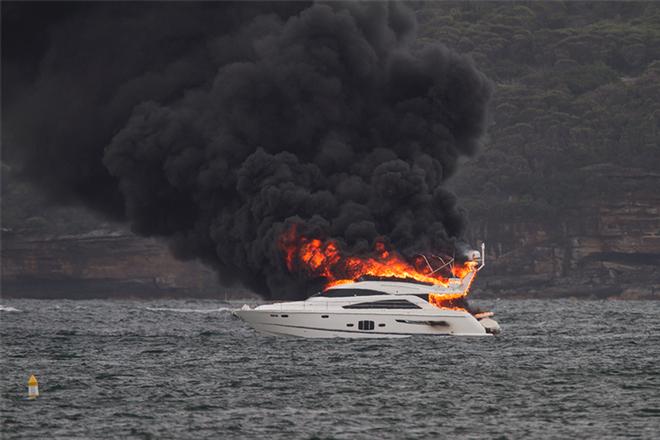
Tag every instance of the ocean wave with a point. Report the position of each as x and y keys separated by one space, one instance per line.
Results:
x=8 y=309
x=176 y=310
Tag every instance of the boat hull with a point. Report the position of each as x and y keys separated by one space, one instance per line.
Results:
x=309 y=324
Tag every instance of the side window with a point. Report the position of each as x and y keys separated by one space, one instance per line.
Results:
x=342 y=293
x=366 y=325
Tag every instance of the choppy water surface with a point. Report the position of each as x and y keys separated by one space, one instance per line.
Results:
x=188 y=369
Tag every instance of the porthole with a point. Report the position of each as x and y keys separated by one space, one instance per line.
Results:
x=324 y=316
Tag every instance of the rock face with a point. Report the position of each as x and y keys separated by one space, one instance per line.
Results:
x=102 y=265
x=605 y=245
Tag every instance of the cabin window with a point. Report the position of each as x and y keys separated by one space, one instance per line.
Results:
x=342 y=293
x=324 y=316
x=350 y=325
x=273 y=316
x=384 y=304
x=285 y=316
x=381 y=325
x=366 y=325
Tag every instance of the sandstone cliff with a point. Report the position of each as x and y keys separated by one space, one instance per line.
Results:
x=602 y=245
x=102 y=264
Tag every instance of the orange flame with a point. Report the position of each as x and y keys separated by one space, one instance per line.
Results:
x=445 y=301
x=323 y=259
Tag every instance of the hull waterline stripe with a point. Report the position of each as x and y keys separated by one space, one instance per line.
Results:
x=374 y=312
x=369 y=332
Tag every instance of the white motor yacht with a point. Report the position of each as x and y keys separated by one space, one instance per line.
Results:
x=376 y=309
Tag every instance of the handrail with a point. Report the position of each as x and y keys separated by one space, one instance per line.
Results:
x=428 y=264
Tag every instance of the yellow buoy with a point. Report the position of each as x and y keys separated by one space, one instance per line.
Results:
x=33 y=387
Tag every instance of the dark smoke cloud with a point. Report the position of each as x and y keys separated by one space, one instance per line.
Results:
x=218 y=125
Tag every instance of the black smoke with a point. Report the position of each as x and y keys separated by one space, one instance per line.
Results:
x=218 y=125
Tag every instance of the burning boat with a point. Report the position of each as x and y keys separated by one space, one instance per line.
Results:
x=381 y=308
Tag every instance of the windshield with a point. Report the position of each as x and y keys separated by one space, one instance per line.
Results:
x=343 y=293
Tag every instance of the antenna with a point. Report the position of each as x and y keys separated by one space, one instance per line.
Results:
x=483 y=256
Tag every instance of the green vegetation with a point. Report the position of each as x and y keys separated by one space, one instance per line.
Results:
x=576 y=84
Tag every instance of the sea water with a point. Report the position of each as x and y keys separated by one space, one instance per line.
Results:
x=189 y=369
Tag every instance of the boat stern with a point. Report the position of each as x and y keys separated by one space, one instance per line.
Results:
x=490 y=325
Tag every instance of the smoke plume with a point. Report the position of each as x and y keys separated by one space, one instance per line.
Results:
x=218 y=126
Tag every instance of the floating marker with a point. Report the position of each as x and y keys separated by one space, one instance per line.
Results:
x=33 y=387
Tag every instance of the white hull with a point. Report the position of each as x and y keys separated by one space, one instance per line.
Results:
x=374 y=309
x=344 y=324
